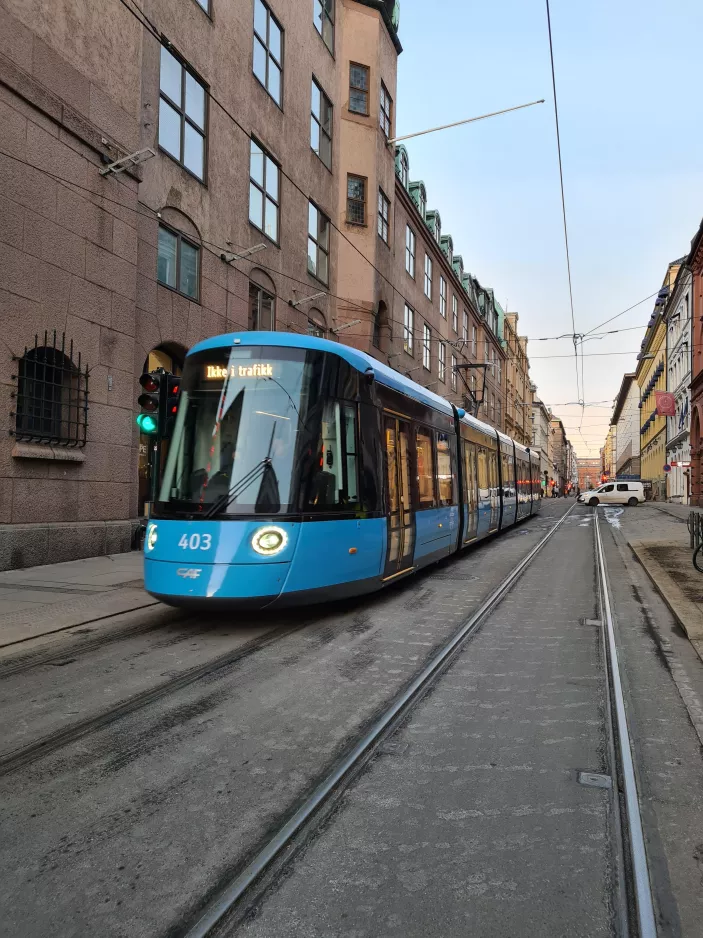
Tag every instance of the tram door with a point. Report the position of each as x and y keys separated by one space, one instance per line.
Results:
x=401 y=518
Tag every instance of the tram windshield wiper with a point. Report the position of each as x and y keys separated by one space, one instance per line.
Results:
x=226 y=499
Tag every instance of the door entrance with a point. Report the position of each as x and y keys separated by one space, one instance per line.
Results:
x=401 y=517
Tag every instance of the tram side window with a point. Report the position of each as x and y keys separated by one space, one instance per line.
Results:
x=335 y=483
x=483 y=481
x=444 y=470
x=493 y=471
x=470 y=474
x=425 y=469
x=508 y=481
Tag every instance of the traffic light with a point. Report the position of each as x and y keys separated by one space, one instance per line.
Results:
x=149 y=401
x=173 y=391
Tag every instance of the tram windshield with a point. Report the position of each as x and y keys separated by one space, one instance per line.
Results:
x=255 y=435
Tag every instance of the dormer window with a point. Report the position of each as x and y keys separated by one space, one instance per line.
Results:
x=402 y=165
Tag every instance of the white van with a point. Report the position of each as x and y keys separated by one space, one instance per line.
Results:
x=614 y=493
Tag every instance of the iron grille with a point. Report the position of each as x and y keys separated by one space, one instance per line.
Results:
x=52 y=394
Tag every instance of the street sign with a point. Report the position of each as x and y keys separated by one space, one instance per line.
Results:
x=667 y=468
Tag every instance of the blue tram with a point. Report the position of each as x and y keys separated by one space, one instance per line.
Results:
x=301 y=470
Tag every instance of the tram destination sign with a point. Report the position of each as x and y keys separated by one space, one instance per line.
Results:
x=233 y=372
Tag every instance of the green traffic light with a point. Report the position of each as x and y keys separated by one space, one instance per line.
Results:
x=147 y=423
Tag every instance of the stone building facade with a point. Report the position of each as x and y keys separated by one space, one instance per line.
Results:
x=626 y=421
x=246 y=116
x=695 y=265
x=677 y=321
x=518 y=388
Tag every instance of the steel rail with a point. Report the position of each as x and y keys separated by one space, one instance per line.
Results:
x=638 y=854
x=215 y=911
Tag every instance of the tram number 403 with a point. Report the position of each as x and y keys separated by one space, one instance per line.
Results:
x=196 y=542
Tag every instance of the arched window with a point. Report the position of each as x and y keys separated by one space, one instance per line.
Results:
x=316 y=324
x=262 y=302
x=52 y=395
x=178 y=254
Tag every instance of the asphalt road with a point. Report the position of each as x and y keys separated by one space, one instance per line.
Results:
x=148 y=767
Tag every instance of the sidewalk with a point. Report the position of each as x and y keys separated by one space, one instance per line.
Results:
x=41 y=600
x=658 y=536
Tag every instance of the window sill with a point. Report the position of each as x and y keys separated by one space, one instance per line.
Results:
x=46 y=451
x=186 y=296
x=356 y=224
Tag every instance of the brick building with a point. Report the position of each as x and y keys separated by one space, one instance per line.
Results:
x=589 y=473
x=518 y=389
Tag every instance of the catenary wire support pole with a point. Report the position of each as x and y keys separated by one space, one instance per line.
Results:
x=469 y=120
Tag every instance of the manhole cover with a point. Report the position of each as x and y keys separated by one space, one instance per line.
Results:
x=594 y=780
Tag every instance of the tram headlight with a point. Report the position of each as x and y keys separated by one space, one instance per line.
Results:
x=151 y=537
x=269 y=541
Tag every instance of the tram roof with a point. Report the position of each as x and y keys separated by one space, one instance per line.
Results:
x=359 y=360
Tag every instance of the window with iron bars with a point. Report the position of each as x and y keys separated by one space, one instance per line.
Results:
x=52 y=394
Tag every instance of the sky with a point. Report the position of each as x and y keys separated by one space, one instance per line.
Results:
x=627 y=75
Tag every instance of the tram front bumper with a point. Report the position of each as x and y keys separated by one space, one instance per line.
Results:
x=250 y=586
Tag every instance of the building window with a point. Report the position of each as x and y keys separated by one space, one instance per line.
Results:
x=268 y=51
x=474 y=341
x=205 y=4
x=442 y=297
x=486 y=350
x=181 y=114
x=321 y=125
x=437 y=228
x=403 y=169
x=408 y=326
x=384 y=214
x=493 y=406
x=426 y=347
x=323 y=17
x=178 y=262
x=410 y=250
x=428 y=276
x=386 y=111
x=452 y=376
x=455 y=315
x=315 y=329
x=359 y=89
x=52 y=395
x=423 y=203
x=264 y=185
x=262 y=309
x=356 y=200
x=318 y=243
x=465 y=327
x=442 y=362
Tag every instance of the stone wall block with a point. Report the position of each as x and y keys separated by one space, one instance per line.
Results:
x=28 y=187
x=57 y=501
x=20 y=273
x=146 y=294
x=90 y=302
x=164 y=312
x=15 y=40
x=195 y=324
x=108 y=424
x=114 y=120
x=109 y=271
x=24 y=546
x=124 y=240
x=214 y=269
x=116 y=349
x=148 y=230
x=69 y=543
x=181 y=311
x=118 y=538
x=82 y=216
x=5 y=500
x=14 y=132
x=55 y=286
x=123 y=315
x=212 y=324
x=54 y=72
x=54 y=244
x=21 y=320
x=146 y=261
x=214 y=297
x=86 y=340
x=98 y=392
x=12 y=227
x=103 y=501
x=147 y=338
x=54 y=157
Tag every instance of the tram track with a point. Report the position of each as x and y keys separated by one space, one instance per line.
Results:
x=20 y=757
x=231 y=898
